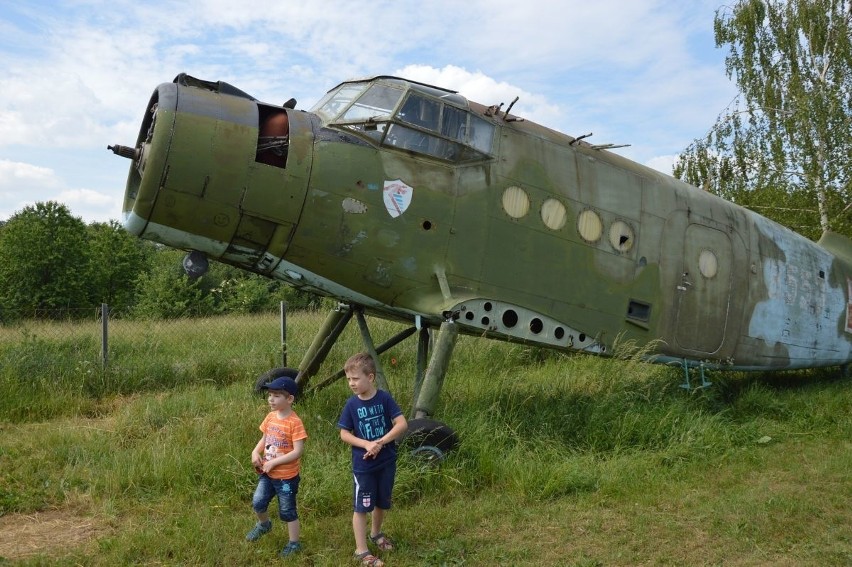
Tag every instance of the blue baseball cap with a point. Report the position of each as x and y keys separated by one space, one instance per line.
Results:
x=284 y=383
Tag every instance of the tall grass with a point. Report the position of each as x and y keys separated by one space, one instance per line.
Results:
x=38 y=359
x=563 y=460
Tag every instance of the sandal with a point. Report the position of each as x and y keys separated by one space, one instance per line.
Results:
x=367 y=559
x=382 y=541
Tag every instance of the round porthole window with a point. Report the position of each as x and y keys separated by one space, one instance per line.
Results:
x=516 y=202
x=553 y=214
x=621 y=236
x=708 y=264
x=589 y=226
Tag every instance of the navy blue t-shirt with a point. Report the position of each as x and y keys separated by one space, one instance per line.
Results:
x=370 y=419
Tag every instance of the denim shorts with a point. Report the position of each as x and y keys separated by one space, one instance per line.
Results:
x=285 y=489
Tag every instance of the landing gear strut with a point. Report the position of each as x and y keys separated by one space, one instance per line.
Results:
x=427 y=437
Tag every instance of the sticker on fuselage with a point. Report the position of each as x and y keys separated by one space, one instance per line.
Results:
x=397 y=197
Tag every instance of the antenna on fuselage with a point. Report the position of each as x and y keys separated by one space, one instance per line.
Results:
x=506 y=116
x=578 y=138
x=609 y=146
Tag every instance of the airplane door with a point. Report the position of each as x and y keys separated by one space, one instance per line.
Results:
x=704 y=292
x=273 y=199
x=275 y=192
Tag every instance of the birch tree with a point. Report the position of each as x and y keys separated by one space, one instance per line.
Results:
x=784 y=145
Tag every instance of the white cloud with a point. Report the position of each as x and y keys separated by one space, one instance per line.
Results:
x=77 y=76
x=20 y=182
x=480 y=88
x=93 y=205
x=24 y=184
x=15 y=174
x=664 y=164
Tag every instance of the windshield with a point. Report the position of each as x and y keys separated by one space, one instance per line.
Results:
x=378 y=102
x=337 y=100
x=417 y=123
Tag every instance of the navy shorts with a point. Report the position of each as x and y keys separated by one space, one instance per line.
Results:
x=373 y=489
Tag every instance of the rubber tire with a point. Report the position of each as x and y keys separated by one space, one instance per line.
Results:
x=430 y=439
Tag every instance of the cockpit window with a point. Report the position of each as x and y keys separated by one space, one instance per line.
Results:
x=439 y=126
x=453 y=123
x=406 y=138
x=422 y=112
x=481 y=134
x=336 y=101
x=458 y=134
x=375 y=104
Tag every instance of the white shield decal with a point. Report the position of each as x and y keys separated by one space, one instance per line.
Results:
x=397 y=197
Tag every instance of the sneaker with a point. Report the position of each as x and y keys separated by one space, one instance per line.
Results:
x=291 y=548
x=259 y=530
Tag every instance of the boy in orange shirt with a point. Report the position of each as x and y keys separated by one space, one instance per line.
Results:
x=276 y=458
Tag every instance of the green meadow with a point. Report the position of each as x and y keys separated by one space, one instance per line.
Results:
x=563 y=460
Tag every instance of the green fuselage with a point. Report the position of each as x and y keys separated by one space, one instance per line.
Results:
x=413 y=202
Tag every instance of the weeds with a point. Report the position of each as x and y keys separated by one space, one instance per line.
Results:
x=563 y=460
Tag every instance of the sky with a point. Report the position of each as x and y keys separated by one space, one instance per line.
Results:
x=76 y=75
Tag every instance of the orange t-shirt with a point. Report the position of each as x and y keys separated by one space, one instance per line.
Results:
x=279 y=436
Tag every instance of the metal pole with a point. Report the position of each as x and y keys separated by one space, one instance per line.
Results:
x=104 y=334
x=283 y=309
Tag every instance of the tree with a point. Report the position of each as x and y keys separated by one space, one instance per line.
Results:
x=238 y=291
x=44 y=260
x=788 y=135
x=166 y=292
x=116 y=260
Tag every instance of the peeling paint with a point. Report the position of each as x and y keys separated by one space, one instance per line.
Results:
x=354 y=206
x=388 y=238
x=357 y=239
x=410 y=264
x=797 y=312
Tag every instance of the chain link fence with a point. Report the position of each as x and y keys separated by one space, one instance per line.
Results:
x=94 y=354
x=98 y=341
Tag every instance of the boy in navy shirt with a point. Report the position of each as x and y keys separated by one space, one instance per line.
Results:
x=371 y=422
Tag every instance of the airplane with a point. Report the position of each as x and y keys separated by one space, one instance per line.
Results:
x=408 y=201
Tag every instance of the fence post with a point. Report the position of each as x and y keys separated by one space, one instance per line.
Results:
x=283 y=333
x=104 y=334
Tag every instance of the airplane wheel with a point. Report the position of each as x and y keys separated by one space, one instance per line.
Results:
x=272 y=374
x=429 y=440
x=428 y=456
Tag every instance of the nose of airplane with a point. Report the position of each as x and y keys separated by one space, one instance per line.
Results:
x=215 y=170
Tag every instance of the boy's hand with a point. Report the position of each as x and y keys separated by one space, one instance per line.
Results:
x=373 y=450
